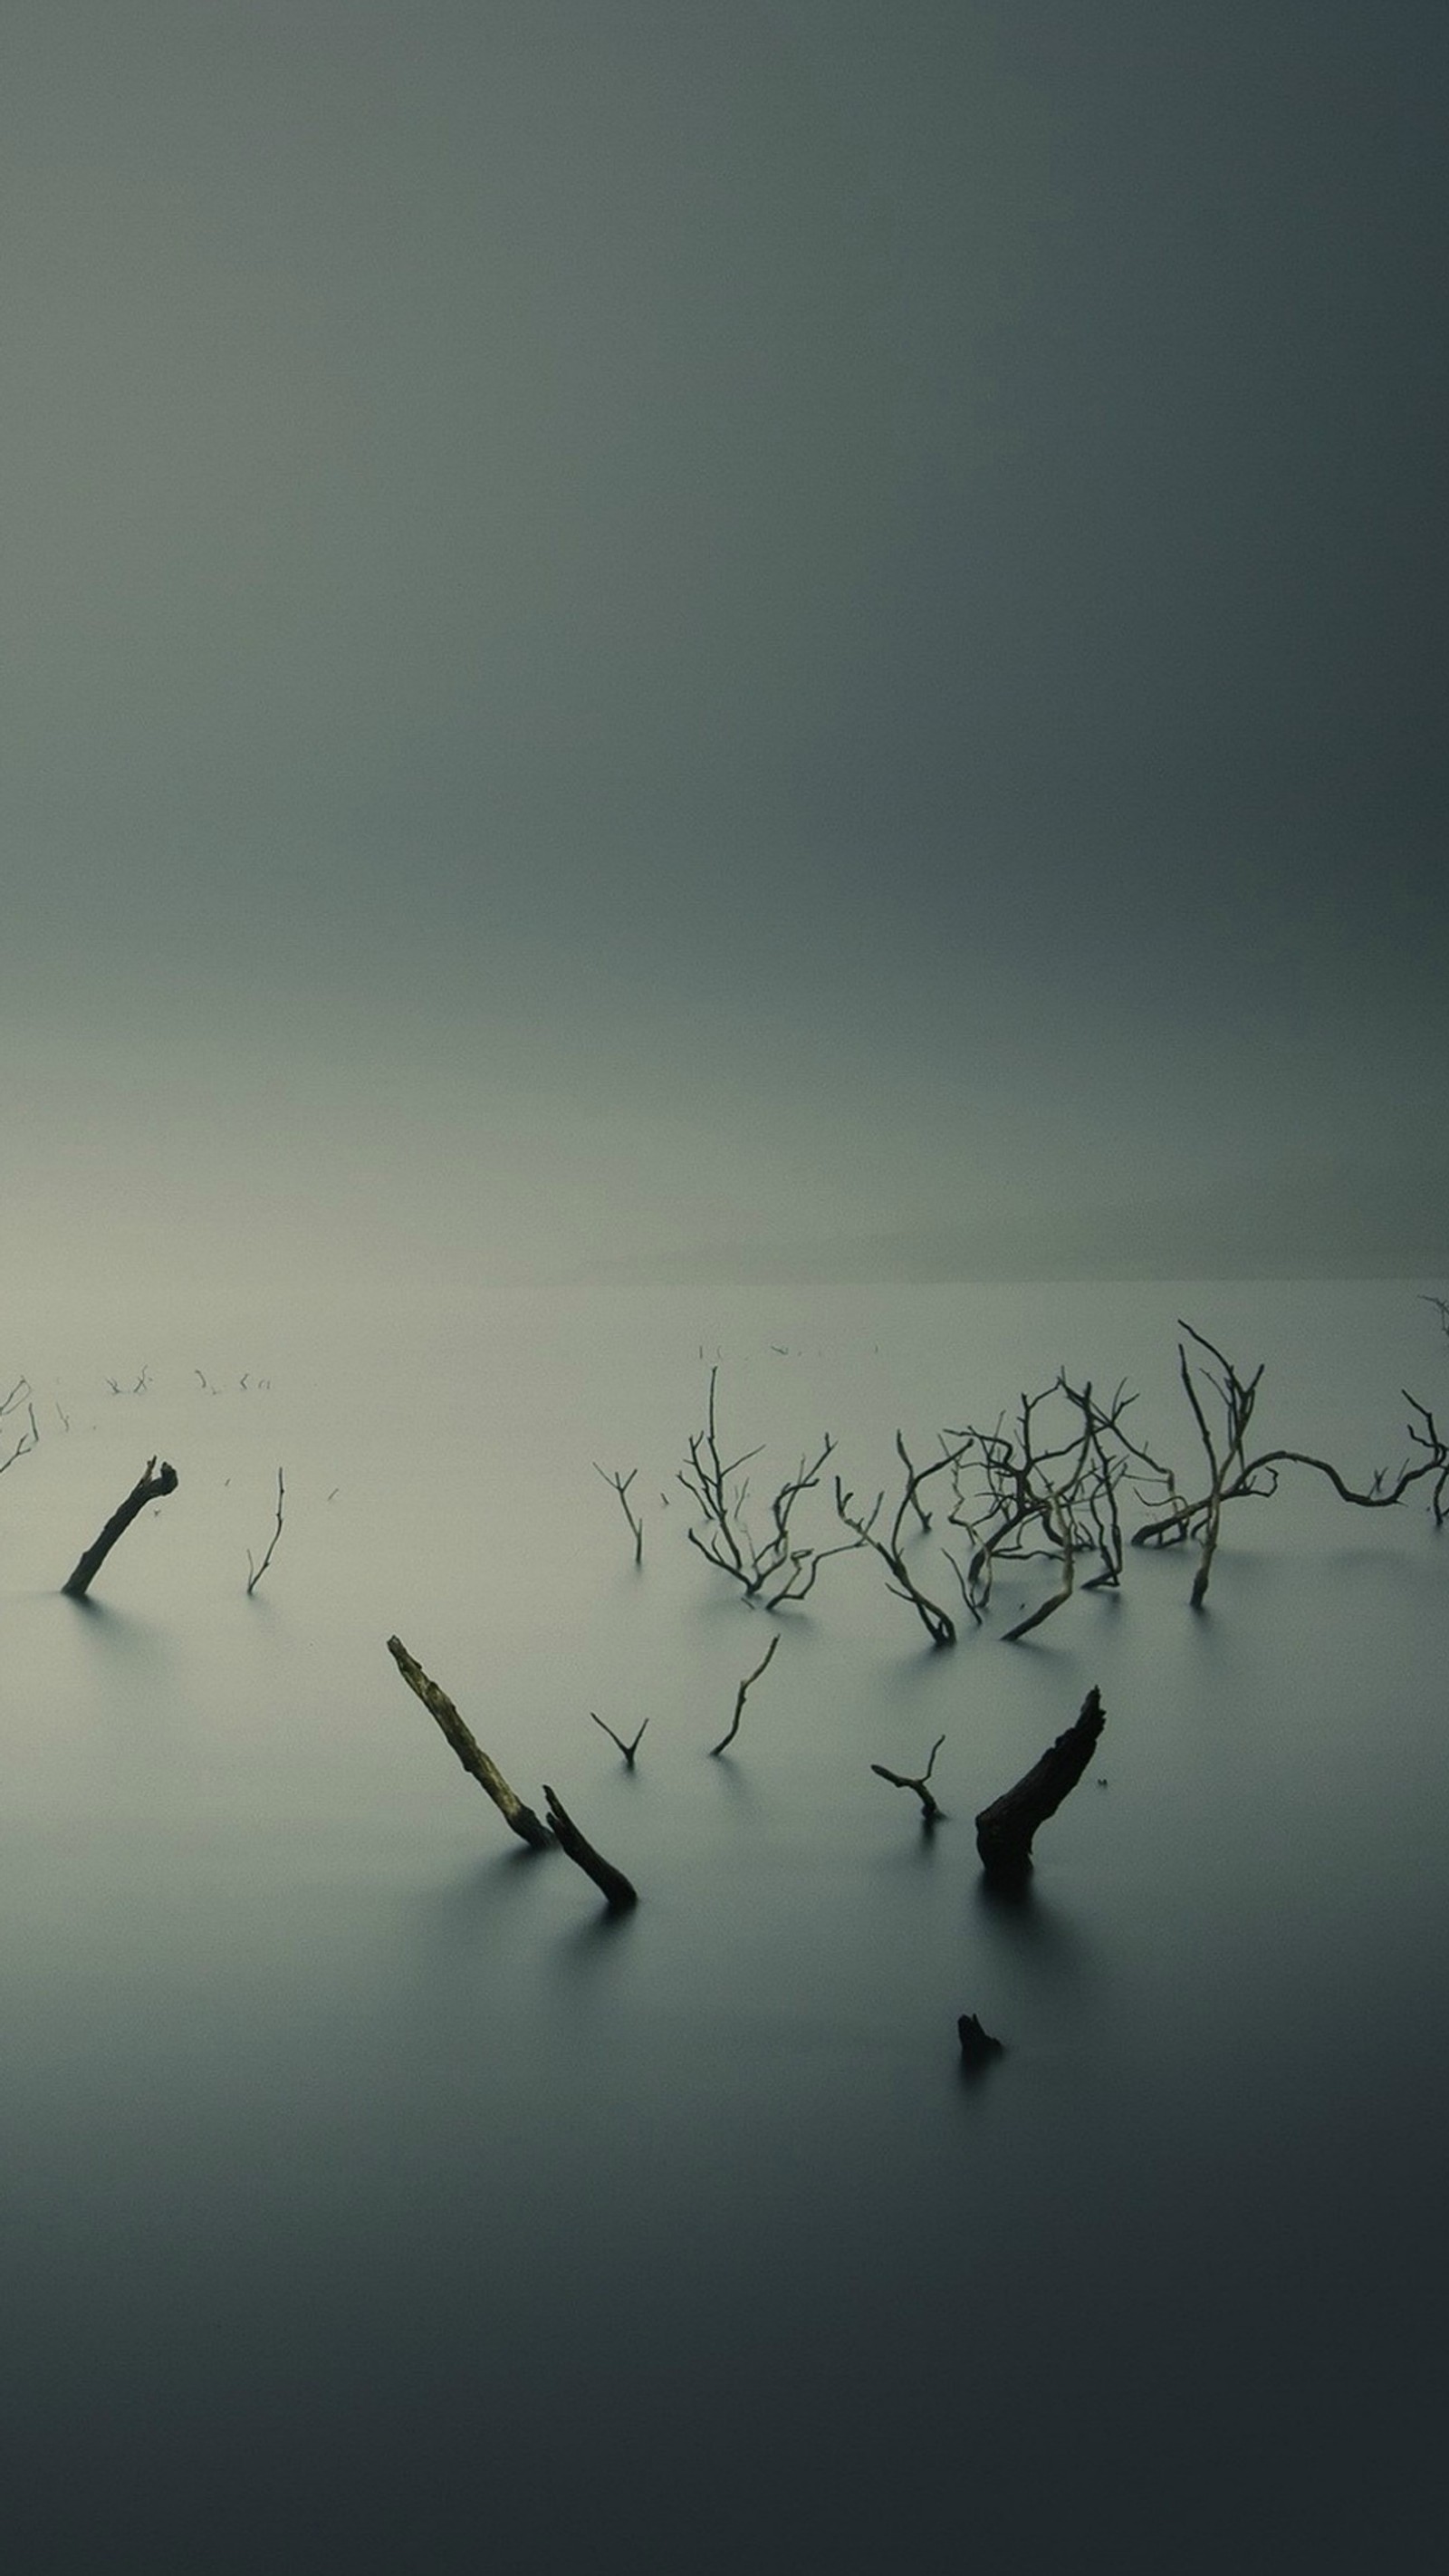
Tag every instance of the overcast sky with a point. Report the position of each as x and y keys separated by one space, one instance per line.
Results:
x=805 y=635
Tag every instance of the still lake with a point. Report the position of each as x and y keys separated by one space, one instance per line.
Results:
x=374 y=2202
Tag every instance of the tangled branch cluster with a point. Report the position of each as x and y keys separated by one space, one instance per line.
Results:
x=1048 y=1485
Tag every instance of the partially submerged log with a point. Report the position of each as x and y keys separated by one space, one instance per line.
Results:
x=529 y=1828
x=148 y=1489
x=978 y=2047
x=1005 y=1828
x=618 y=1892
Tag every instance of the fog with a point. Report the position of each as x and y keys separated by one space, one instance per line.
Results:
x=810 y=639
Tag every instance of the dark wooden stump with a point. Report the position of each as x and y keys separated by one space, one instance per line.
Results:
x=1005 y=1828
x=618 y=1892
x=155 y=1482
x=978 y=2047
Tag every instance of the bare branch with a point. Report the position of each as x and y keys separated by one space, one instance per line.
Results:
x=628 y=1750
x=29 y=1438
x=773 y=1569
x=931 y=1814
x=621 y=1485
x=745 y=1687
x=529 y=1828
x=940 y=1627
x=256 y=1573
x=1235 y=1477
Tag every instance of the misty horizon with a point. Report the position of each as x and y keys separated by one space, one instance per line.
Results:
x=810 y=637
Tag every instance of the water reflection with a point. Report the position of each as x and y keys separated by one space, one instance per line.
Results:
x=1042 y=1943
x=579 y=1956
x=452 y=1917
x=118 y=1633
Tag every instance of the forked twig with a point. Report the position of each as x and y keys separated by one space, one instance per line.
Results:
x=620 y=1485
x=628 y=1750
x=931 y=1814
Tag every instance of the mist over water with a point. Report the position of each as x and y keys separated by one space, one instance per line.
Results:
x=689 y=687
x=373 y=2199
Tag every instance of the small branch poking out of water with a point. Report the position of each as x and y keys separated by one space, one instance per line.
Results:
x=931 y=1814
x=740 y=1697
x=258 y=1571
x=620 y=1485
x=628 y=1750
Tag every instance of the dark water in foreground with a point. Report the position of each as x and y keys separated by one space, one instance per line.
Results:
x=372 y=2204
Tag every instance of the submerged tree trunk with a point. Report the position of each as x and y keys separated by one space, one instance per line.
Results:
x=978 y=2046
x=529 y=1828
x=155 y=1482
x=1005 y=1828
x=619 y=1893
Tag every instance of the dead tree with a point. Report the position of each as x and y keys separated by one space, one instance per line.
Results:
x=1004 y=1830
x=1049 y=1493
x=255 y=1572
x=529 y=1828
x=931 y=1814
x=148 y=1489
x=771 y=1570
x=1234 y=1476
x=620 y=1485
x=727 y=1739
x=628 y=1750
x=618 y=1892
x=890 y=1544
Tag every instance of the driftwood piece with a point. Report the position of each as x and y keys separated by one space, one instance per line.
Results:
x=978 y=2047
x=529 y=1828
x=148 y=1488
x=618 y=1892
x=1005 y=1828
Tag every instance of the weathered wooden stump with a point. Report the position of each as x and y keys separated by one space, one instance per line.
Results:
x=978 y=2047
x=148 y=1489
x=1004 y=1830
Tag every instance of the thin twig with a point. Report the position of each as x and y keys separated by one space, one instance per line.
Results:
x=745 y=1686
x=621 y=1485
x=257 y=1572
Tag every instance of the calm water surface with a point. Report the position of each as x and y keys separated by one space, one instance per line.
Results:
x=372 y=2203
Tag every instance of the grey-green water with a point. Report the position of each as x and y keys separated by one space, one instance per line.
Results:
x=371 y=2203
